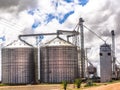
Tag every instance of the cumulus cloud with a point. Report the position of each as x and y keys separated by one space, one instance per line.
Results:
x=17 y=5
x=101 y=16
x=8 y=3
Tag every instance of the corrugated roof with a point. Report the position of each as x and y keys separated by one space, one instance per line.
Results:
x=17 y=44
x=58 y=42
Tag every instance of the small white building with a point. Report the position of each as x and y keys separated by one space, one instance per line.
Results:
x=105 y=63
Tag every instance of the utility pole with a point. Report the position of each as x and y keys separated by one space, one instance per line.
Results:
x=82 y=48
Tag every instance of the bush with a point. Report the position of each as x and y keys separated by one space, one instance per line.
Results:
x=78 y=83
x=64 y=83
x=89 y=83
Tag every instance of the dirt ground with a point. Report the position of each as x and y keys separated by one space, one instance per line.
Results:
x=32 y=87
x=115 y=86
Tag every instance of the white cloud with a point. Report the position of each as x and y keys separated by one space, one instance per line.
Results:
x=101 y=16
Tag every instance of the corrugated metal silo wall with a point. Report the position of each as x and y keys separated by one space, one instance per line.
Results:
x=59 y=63
x=18 y=66
x=79 y=63
x=36 y=64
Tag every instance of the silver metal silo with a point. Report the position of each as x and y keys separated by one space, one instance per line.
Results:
x=18 y=65
x=59 y=61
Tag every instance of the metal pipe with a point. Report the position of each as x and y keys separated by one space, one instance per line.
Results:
x=113 y=42
x=28 y=35
x=113 y=52
x=67 y=32
x=59 y=32
x=31 y=35
x=82 y=48
x=24 y=41
x=39 y=61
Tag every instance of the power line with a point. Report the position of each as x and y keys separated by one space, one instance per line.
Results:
x=94 y=33
x=11 y=23
x=5 y=20
x=76 y=26
x=101 y=39
x=7 y=27
x=117 y=61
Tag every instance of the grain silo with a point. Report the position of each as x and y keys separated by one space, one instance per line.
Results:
x=18 y=65
x=105 y=63
x=59 y=61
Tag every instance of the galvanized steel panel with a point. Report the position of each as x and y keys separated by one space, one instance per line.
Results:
x=59 y=63
x=18 y=66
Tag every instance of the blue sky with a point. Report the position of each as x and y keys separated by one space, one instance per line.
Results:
x=2 y=38
x=60 y=17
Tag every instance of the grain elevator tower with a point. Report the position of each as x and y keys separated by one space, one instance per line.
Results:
x=105 y=63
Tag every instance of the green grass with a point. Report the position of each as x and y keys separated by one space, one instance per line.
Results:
x=2 y=84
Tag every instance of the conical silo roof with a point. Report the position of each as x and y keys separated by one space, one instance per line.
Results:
x=58 y=42
x=17 y=44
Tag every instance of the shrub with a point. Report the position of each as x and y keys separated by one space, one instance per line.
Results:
x=89 y=83
x=64 y=83
x=78 y=82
